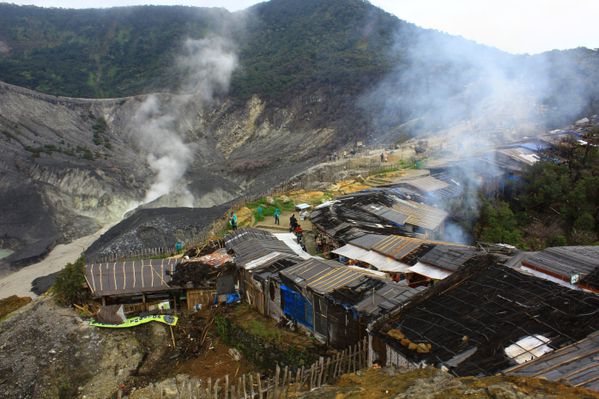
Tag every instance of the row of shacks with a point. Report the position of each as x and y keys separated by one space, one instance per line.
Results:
x=531 y=314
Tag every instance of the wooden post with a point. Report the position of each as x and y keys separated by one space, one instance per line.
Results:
x=252 y=392
x=285 y=382
x=321 y=370
x=216 y=388
x=298 y=379
x=259 y=386
x=276 y=385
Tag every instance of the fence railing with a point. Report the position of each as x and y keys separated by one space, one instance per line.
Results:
x=284 y=381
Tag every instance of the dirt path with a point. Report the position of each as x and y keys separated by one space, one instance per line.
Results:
x=19 y=283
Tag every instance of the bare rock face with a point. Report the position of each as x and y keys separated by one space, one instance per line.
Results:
x=70 y=166
x=49 y=352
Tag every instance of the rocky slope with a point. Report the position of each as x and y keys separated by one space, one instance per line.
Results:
x=50 y=352
x=63 y=177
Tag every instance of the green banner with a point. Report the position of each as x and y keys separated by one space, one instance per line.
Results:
x=136 y=321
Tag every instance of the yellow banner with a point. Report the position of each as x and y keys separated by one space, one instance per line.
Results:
x=136 y=321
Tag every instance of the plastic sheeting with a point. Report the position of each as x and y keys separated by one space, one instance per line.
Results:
x=429 y=271
x=296 y=307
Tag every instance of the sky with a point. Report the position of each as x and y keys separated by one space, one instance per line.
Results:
x=516 y=26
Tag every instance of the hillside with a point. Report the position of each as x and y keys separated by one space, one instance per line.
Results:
x=243 y=101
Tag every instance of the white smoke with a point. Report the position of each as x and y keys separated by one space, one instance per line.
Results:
x=474 y=97
x=160 y=121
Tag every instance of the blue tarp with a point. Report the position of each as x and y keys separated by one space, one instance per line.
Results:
x=296 y=307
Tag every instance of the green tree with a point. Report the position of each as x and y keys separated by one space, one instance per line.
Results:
x=69 y=286
x=498 y=224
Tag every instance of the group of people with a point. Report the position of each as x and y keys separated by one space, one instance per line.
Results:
x=294 y=227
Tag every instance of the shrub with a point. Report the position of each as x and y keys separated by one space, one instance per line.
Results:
x=69 y=286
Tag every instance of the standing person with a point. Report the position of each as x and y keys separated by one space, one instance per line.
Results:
x=277 y=215
x=233 y=221
x=292 y=222
x=260 y=213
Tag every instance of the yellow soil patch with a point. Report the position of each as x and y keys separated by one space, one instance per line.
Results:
x=244 y=217
x=12 y=303
x=347 y=187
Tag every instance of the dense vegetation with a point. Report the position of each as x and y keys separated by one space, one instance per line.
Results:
x=555 y=203
x=284 y=45
x=332 y=53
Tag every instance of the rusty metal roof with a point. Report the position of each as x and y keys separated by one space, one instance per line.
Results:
x=321 y=276
x=421 y=215
x=130 y=277
x=397 y=246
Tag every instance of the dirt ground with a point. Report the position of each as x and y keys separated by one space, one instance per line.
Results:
x=214 y=362
x=258 y=324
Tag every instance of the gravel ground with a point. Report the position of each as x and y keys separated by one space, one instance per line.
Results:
x=49 y=351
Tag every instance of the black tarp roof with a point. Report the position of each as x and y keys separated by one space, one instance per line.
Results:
x=448 y=257
x=274 y=266
x=484 y=308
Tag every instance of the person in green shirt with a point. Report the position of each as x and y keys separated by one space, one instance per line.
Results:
x=277 y=215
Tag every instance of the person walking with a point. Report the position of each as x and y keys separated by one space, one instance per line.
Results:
x=277 y=216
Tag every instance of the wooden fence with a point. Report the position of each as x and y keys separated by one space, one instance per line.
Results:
x=284 y=381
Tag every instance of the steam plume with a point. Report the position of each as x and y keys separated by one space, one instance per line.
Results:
x=159 y=122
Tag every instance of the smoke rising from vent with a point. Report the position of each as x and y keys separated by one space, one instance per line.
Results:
x=161 y=123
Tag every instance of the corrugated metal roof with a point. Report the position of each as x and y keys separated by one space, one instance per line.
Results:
x=578 y=364
x=383 y=263
x=387 y=298
x=350 y=251
x=238 y=236
x=448 y=257
x=367 y=241
x=321 y=276
x=255 y=248
x=131 y=277
x=397 y=246
x=421 y=215
x=275 y=265
x=386 y=213
x=426 y=184
x=566 y=261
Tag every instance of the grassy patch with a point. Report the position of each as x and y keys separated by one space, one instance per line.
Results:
x=262 y=330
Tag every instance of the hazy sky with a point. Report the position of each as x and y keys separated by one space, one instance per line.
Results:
x=516 y=26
